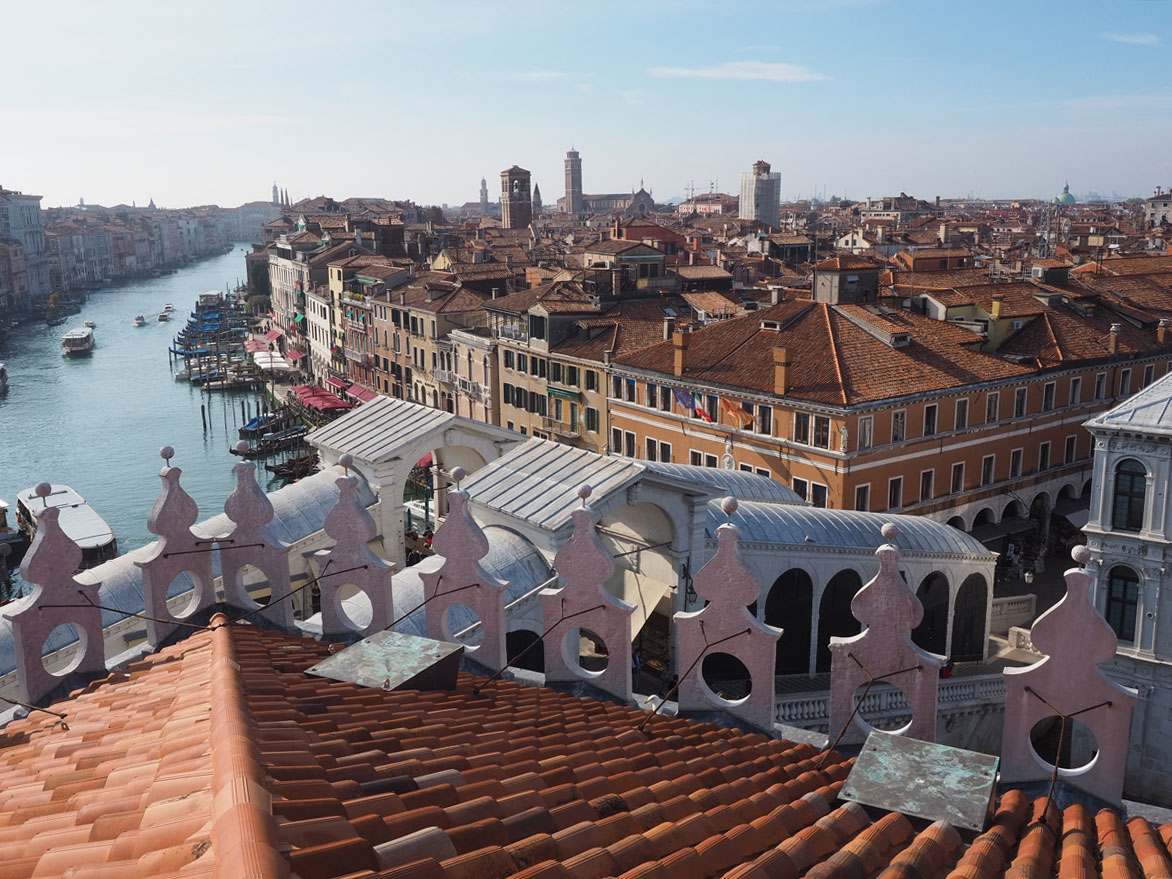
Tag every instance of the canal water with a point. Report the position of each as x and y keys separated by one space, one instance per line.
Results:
x=97 y=423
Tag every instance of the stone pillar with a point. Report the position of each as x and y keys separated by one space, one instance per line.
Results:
x=391 y=481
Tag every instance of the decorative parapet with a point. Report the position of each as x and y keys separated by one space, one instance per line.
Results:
x=57 y=599
x=725 y=626
x=249 y=544
x=1068 y=684
x=349 y=562
x=584 y=602
x=884 y=651
x=461 y=580
x=178 y=551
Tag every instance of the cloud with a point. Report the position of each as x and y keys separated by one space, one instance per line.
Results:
x=1134 y=39
x=636 y=96
x=539 y=76
x=764 y=70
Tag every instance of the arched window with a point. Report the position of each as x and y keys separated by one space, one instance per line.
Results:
x=1127 y=510
x=1122 y=602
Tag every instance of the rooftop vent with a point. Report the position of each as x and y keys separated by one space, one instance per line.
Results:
x=771 y=325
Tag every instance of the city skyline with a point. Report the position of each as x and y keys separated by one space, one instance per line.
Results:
x=854 y=98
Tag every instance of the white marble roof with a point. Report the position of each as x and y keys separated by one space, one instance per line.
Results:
x=1149 y=411
x=377 y=430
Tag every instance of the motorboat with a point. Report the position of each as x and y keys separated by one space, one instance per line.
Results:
x=90 y=324
x=168 y=308
x=77 y=519
x=139 y=321
x=11 y=538
x=164 y=316
x=78 y=342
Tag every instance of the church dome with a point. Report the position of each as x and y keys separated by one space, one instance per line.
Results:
x=1064 y=197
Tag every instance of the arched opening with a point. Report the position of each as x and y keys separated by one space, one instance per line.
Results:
x=968 y=620
x=586 y=651
x=835 y=619
x=254 y=583
x=526 y=649
x=957 y=522
x=462 y=625
x=789 y=606
x=184 y=582
x=1073 y=747
x=1128 y=495
x=1086 y=489
x=1067 y=493
x=1121 y=606
x=932 y=632
x=61 y=637
x=639 y=537
x=1012 y=510
x=883 y=706
x=985 y=517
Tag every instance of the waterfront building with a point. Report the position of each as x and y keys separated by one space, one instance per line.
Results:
x=761 y=195
x=14 y=295
x=21 y=222
x=1158 y=209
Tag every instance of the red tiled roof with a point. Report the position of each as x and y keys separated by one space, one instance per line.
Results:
x=838 y=263
x=220 y=755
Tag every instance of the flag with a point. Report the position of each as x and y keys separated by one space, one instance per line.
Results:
x=700 y=410
x=685 y=400
x=736 y=413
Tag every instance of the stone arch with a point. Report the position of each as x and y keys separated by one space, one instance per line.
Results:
x=1068 y=492
x=969 y=616
x=1012 y=510
x=525 y=649
x=789 y=605
x=1086 y=489
x=834 y=613
x=957 y=522
x=985 y=516
x=934 y=595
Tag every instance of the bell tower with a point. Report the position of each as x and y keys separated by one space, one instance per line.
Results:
x=516 y=202
x=573 y=182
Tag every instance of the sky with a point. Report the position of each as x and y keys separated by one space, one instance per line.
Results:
x=211 y=102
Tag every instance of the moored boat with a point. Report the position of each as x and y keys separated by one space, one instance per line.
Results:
x=77 y=519
x=78 y=342
x=11 y=537
x=90 y=324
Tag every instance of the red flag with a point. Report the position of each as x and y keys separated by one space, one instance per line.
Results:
x=736 y=413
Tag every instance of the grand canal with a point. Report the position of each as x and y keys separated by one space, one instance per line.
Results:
x=96 y=423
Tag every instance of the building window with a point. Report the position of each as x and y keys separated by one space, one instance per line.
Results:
x=1149 y=374
x=665 y=453
x=992 y=403
x=764 y=419
x=652 y=394
x=962 y=414
x=898 y=425
x=863 y=498
x=555 y=372
x=1100 y=385
x=1122 y=602
x=1075 y=390
x=507 y=393
x=801 y=488
x=591 y=380
x=818 y=494
x=1127 y=509
x=927 y=480
x=1015 y=463
x=711 y=461
x=1125 y=382
x=665 y=397
x=712 y=407
x=522 y=363
x=592 y=419
x=695 y=458
x=652 y=449
x=572 y=376
x=895 y=493
x=1047 y=396
x=630 y=390
x=1044 y=455
x=763 y=471
x=957 y=484
x=616 y=441
x=866 y=431
x=801 y=428
x=930 y=419
x=536 y=327
x=1019 y=402
x=822 y=431
x=1070 y=450
x=629 y=444
x=987 y=463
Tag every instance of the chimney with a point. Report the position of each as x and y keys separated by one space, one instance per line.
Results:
x=691 y=257
x=780 y=370
x=774 y=294
x=1113 y=338
x=997 y=300
x=606 y=356
x=680 y=340
x=496 y=291
x=669 y=325
x=1162 y=331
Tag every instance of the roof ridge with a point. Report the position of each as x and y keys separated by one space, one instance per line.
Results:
x=834 y=355
x=244 y=832
x=1053 y=335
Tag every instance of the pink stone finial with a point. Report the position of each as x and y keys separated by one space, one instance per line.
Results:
x=890 y=531
x=1081 y=554
x=167 y=453
x=729 y=506
x=584 y=492
x=458 y=473
x=43 y=490
x=241 y=447
x=346 y=461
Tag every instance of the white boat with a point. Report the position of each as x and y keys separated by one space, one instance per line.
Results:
x=164 y=316
x=12 y=538
x=77 y=519
x=91 y=324
x=78 y=343
x=3 y=378
x=168 y=308
x=139 y=321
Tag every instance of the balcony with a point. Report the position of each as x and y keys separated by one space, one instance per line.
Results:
x=442 y=375
x=560 y=428
x=468 y=388
x=508 y=331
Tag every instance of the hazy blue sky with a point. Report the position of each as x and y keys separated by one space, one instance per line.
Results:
x=210 y=102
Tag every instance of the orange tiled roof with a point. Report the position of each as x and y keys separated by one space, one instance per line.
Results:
x=220 y=755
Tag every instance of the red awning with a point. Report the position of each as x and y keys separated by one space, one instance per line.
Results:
x=425 y=461
x=254 y=345
x=338 y=383
x=294 y=355
x=360 y=393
